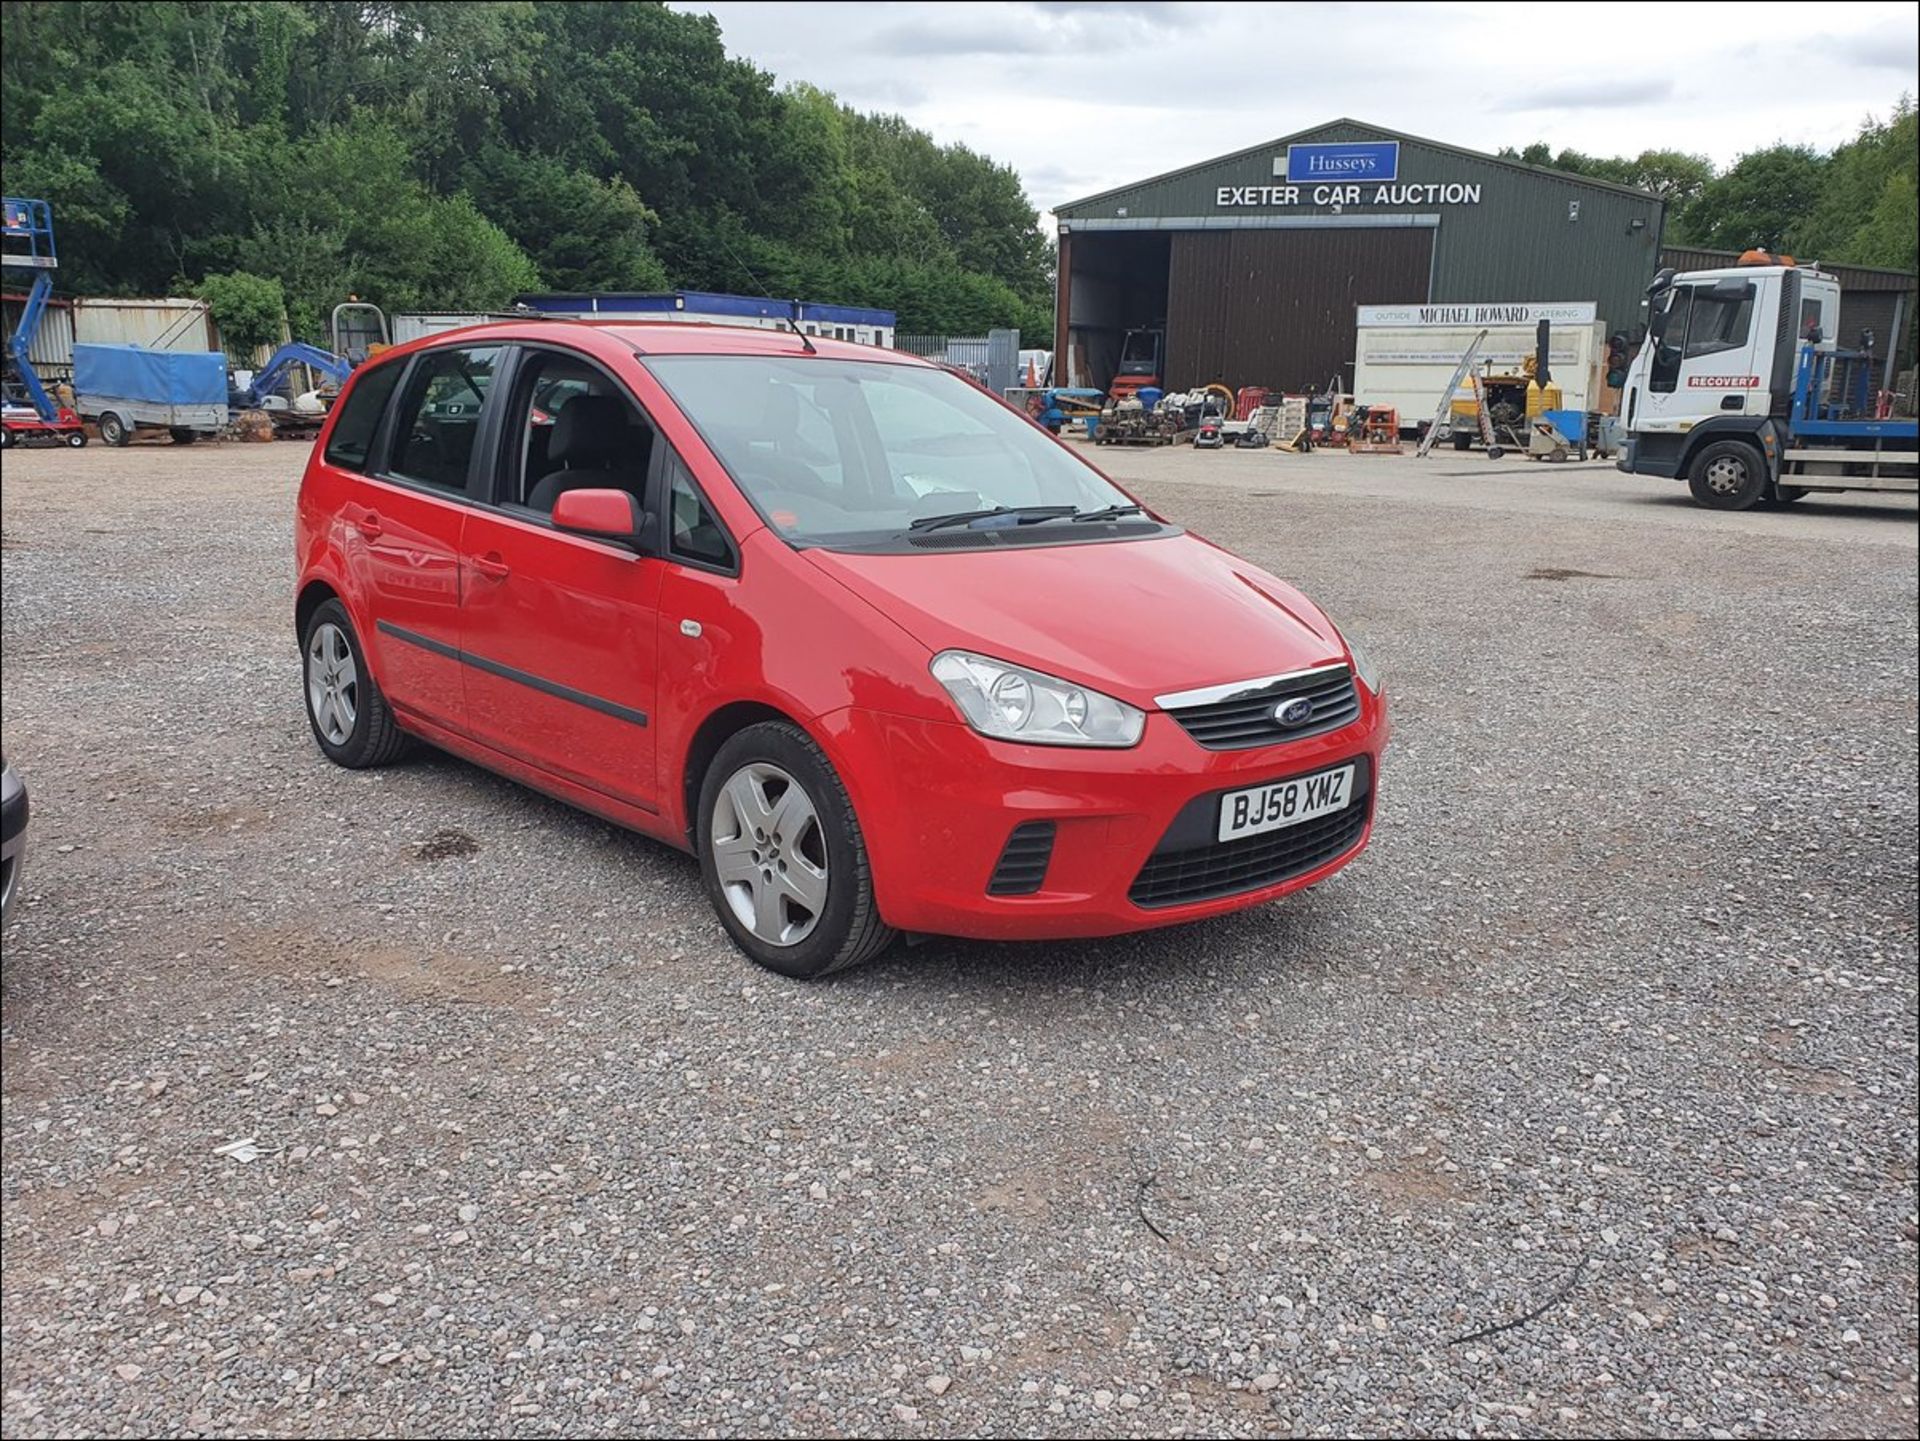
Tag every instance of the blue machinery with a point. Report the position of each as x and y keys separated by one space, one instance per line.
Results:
x=29 y=246
x=298 y=352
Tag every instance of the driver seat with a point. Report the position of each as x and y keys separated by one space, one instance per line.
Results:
x=596 y=449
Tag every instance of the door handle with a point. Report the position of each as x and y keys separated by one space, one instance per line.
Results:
x=369 y=525
x=491 y=566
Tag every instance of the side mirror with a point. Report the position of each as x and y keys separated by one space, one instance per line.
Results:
x=613 y=515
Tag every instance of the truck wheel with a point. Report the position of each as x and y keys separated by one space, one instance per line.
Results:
x=1462 y=440
x=182 y=436
x=1727 y=475
x=114 y=430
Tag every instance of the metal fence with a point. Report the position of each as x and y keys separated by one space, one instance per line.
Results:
x=992 y=359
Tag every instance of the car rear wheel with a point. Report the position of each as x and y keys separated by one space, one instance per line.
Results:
x=1726 y=475
x=350 y=718
x=782 y=855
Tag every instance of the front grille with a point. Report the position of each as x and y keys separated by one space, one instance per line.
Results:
x=1023 y=864
x=1246 y=720
x=1173 y=878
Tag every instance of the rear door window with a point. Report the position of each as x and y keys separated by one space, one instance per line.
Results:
x=440 y=414
x=350 y=444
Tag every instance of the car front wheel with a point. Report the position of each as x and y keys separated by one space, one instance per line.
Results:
x=782 y=855
x=350 y=718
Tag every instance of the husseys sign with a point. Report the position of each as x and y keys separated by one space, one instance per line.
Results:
x=1355 y=173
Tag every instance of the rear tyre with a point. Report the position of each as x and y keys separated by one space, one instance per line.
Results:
x=114 y=430
x=1727 y=475
x=182 y=436
x=351 y=720
x=782 y=856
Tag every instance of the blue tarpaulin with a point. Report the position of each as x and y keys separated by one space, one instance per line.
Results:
x=163 y=377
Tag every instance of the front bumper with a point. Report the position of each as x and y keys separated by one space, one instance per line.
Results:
x=1652 y=453
x=938 y=803
x=13 y=838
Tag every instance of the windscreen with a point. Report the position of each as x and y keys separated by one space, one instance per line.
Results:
x=850 y=452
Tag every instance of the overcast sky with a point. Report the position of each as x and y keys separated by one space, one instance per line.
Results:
x=1083 y=97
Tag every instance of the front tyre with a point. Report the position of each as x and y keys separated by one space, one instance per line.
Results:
x=782 y=855
x=350 y=718
x=114 y=430
x=1727 y=475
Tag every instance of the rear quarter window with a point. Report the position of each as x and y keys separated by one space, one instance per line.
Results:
x=351 y=441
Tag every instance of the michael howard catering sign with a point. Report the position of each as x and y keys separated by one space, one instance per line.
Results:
x=1365 y=160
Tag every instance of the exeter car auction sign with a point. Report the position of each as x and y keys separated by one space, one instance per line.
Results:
x=1355 y=173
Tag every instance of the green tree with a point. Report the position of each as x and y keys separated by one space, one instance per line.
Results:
x=249 y=309
x=583 y=233
x=1764 y=200
x=424 y=153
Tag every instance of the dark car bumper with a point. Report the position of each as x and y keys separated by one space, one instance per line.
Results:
x=13 y=839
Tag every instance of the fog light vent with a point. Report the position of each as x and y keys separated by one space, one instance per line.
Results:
x=1023 y=864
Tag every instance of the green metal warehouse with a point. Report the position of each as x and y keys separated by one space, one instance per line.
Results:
x=1253 y=263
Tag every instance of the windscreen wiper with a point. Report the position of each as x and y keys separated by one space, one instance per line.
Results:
x=1112 y=512
x=1021 y=515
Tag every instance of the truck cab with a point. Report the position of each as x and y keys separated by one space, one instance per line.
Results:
x=1743 y=391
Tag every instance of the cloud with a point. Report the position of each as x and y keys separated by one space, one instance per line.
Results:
x=936 y=35
x=1875 y=50
x=1594 y=95
x=1034 y=29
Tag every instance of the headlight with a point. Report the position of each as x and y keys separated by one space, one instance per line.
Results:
x=1363 y=665
x=1017 y=704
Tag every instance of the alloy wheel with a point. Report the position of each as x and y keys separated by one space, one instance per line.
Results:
x=333 y=683
x=770 y=854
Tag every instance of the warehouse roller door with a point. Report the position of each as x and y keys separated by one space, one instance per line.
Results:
x=1276 y=307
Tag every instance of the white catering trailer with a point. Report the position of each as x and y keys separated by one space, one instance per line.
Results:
x=1404 y=355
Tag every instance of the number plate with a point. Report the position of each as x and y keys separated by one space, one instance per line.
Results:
x=1284 y=803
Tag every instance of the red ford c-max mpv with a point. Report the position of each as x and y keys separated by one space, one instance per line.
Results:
x=881 y=652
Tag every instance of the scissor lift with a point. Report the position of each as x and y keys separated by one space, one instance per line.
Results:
x=27 y=241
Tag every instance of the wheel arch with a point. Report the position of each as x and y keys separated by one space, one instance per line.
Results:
x=714 y=731
x=313 y=595
x=1748 y=431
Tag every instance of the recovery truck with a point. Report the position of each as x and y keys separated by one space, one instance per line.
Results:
x=1742 y=391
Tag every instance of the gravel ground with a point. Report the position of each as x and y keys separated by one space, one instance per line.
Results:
x=1616 y=1021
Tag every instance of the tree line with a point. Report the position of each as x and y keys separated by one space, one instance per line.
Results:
x=1858 y=204
x=435 y=155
